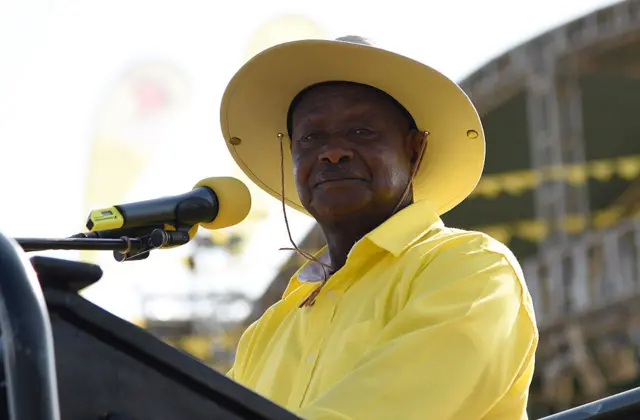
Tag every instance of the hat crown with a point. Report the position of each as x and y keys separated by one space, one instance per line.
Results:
x=356 y=39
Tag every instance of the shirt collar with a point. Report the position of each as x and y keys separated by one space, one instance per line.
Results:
x=406 y=227
x=395 y=235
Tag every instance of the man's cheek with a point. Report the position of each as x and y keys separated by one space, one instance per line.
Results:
x=301 y=177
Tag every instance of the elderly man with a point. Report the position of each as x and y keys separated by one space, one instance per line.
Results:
x=399 y=317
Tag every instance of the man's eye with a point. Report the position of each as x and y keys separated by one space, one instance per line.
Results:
x=311 y=137
x=363 y=132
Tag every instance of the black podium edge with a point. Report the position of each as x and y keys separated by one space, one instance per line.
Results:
x=624 y=403
x=162 y=357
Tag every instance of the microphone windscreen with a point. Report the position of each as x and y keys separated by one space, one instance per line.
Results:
x=234 y=201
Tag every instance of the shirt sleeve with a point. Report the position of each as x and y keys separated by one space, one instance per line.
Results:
x=244 y=347
x=463 y=344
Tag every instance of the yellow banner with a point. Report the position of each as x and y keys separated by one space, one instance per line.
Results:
x=515 y=183
x=127 y=132
x=538 y=230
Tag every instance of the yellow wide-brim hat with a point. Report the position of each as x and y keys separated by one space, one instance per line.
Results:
x=256 y=102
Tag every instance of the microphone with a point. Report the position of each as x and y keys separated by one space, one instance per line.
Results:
x=214 y=203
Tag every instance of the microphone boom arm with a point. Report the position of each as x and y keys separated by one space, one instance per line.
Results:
x=88 y=244
x=125 y=248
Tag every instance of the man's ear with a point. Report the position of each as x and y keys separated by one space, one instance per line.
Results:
x=417 y=144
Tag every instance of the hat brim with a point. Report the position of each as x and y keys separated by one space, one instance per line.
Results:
x=256 y=101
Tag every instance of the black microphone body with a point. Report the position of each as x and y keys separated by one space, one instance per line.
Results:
x=213 y=203
x=188 y=209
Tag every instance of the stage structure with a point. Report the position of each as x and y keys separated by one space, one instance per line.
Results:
x=205 y=318
x=562 y=189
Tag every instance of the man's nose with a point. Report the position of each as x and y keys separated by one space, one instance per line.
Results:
x=335 y=155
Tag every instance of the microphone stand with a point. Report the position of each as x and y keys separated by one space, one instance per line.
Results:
x=125 y=248
x=88 y=244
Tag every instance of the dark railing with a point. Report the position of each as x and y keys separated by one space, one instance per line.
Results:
x=623 y=406
x=27 y=340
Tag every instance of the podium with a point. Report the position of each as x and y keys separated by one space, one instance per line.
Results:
x=98 y=366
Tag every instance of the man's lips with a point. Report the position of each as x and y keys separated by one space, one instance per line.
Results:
x=338 y=180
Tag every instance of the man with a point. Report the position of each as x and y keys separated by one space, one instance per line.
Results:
x=399 y=317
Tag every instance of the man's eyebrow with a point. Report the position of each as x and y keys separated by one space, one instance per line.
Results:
x=314 y=115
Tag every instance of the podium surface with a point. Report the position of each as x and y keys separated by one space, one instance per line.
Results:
x=108 y=368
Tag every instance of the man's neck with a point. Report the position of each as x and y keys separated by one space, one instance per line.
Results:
x=342 y=236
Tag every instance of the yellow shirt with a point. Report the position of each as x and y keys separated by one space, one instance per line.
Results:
x=422 y=322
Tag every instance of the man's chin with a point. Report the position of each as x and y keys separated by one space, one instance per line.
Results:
x=339 y=208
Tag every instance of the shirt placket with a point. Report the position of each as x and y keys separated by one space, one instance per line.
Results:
x=318 y=321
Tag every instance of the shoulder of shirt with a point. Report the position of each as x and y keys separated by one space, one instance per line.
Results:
x=445 y=237
x=462 y=243
x=446 y=242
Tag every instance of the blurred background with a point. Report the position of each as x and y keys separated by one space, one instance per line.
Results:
x=103 y=103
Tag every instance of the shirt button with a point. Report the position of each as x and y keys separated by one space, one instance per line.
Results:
x=310 y=358
x=331 y=294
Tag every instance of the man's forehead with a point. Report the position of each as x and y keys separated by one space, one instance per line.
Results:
x=318 y=96
x=324 y=93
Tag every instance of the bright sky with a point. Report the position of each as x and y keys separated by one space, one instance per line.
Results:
x=61 y=58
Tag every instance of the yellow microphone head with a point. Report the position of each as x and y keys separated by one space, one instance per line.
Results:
x=234 y=201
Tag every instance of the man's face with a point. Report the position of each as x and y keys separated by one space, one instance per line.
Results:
x=352 y=151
